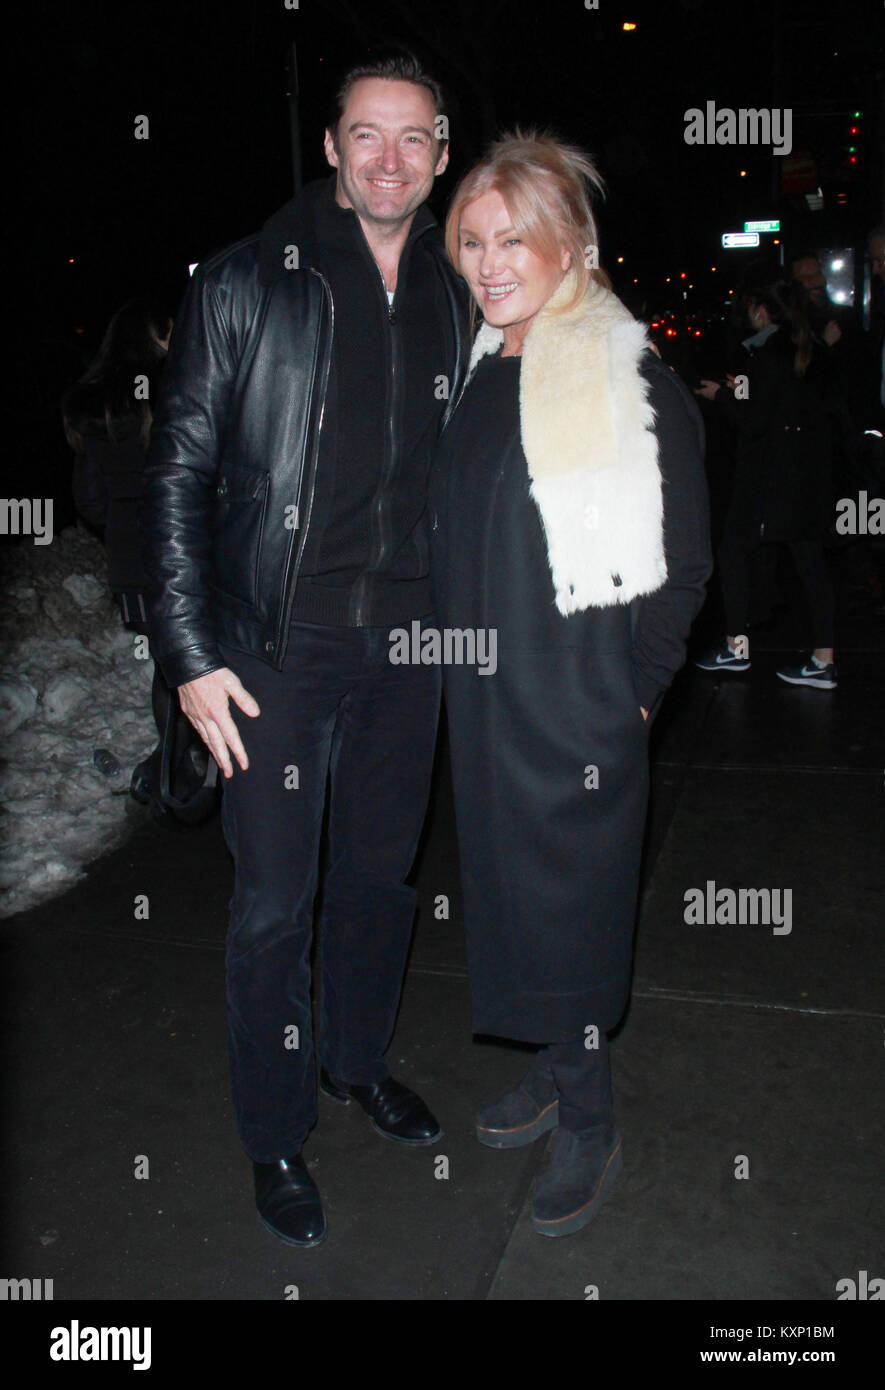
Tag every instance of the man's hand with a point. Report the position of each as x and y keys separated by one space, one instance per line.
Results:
x=831 y=333
x=205 y=702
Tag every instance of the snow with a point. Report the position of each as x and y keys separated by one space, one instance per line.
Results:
x=71 y=680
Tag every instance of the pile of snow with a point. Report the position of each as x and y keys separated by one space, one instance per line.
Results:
x=71 y=681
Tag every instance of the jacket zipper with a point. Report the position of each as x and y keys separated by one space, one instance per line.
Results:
x=379 y=510
x=291 y=574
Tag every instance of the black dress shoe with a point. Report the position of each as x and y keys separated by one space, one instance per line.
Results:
x=288 y=1201
x=395 y=1111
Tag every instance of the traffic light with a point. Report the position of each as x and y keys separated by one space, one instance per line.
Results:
x=852 y=143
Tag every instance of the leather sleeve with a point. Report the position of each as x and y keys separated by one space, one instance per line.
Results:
x=175 y=519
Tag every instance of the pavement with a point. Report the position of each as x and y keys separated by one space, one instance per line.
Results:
x=747 y=1073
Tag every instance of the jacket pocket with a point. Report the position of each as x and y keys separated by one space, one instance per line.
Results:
x=240 y=510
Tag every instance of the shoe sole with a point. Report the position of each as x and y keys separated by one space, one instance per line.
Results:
x=290 y=1240
x=805 y=680
x=576 y=1220
x=730 y=666
x=385 y=1134
x=520 y=1134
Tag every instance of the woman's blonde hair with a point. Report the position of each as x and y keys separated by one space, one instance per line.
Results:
x=545 y=184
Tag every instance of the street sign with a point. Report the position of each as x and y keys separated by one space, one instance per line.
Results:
x=733 y=239
x=769 y=226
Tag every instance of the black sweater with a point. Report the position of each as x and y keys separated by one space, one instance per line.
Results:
x=367 y=546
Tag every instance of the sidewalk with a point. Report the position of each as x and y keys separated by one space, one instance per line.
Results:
x=739 y=1042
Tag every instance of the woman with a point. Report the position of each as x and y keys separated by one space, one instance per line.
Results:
x=569 y=514
x=783 y=479
x=106 y=418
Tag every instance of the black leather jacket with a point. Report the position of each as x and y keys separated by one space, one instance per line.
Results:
x=231 y=470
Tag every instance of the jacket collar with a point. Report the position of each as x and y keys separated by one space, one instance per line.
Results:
x=757 y=339
x=588 y=436
x=313 y=221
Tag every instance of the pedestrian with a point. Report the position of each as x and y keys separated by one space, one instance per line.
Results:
x=783 y=489
x=310 y=371
x=106 y=417
x=570 y=518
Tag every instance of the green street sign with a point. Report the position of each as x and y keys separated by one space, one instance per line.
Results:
x=769 y=226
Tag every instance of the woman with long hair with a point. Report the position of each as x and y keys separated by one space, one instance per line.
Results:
x=783 y=487
x=106 y=417
x=569 y=517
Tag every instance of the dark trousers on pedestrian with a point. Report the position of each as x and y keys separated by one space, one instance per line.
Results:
x=338 y=710
x=733 y=559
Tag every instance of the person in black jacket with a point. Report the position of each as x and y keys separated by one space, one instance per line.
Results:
x=309 y=373
x=106 y=417
x=571 y=536
x=783 y=487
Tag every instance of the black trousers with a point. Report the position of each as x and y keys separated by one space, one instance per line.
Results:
x=339 y=709
x=733 y=558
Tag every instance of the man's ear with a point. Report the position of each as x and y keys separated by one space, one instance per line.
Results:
x=443 y=159
x=329 y=147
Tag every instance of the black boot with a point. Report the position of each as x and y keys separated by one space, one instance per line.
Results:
x=288 y=1201
x=395 y=1111
x=523 y=1113
x=582 y=1169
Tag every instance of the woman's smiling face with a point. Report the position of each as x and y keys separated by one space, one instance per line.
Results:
x=509 y=281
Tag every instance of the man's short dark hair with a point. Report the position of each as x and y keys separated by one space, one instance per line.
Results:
x=393 y=63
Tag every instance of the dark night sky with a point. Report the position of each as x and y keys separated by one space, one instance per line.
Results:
x=211 y=78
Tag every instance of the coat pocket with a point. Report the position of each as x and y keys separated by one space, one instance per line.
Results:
x=240 y=510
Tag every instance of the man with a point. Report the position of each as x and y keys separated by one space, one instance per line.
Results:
x=835 y=326
x=309 y=376
x=807 y=272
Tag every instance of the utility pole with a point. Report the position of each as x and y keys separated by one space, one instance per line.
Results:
x=294 y=118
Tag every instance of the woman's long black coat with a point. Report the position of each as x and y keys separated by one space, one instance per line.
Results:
x=550 y=753
x=785 y=438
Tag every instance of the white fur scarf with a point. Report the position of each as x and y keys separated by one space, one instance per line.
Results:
x=588 y=436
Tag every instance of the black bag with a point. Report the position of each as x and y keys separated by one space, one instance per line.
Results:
x=201 y=804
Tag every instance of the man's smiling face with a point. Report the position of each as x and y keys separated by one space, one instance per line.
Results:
x=387 y=152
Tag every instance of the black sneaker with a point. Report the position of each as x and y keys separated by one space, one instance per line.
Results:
x=807 y=673
x=721 y=658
